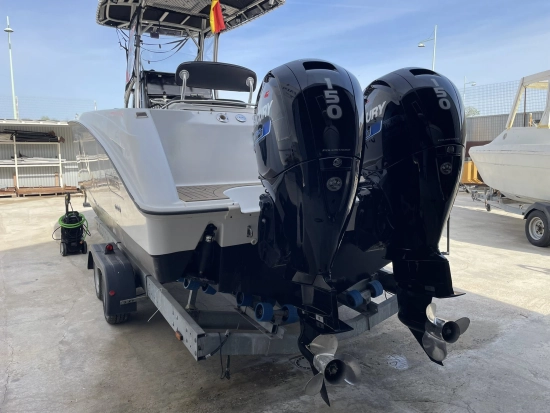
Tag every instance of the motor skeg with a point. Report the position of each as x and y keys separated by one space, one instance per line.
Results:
x=308 y=143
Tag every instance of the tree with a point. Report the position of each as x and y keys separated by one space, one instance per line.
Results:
x=44 y=118
x=471 y=111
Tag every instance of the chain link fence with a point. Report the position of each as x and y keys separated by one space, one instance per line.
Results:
x=488 y=106
x=45 y=108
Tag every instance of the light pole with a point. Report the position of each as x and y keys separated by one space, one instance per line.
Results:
x=434 y=38
x=466 y=83
x=9 y=31
x=464 y=93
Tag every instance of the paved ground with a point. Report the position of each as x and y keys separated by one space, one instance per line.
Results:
x=57 y=354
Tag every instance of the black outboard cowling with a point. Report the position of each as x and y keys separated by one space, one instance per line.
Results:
x=308 y=144
x=412 y=161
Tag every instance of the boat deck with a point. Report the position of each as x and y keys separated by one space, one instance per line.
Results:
x=207 y=192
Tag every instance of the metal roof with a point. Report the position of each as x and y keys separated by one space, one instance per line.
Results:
x=178 y=17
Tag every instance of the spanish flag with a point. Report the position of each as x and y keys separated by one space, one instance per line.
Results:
x=216 y=17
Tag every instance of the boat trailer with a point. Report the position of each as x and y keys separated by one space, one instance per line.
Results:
x=235 y=328
x=536 y=215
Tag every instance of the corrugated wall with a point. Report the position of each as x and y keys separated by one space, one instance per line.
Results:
x=487 y=128
x=43 y=175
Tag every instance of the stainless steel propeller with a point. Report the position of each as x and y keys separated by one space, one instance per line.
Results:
x=333 y=369
x=439 y=332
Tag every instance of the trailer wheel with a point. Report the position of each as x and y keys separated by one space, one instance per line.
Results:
x=98 y=283
x=117 y=319
x=111 y=319
x=63 y=249
x=537 y=229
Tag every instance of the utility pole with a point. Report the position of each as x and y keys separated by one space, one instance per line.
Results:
x=9 y=31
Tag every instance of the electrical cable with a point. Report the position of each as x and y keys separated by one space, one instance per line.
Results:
x=221 y=359
x=163 y=44
x=123 y=33
x=157 y=51
x=166 y=58
x=226 y=374
x=125 y=47
x=220 y=346
x=177 y=43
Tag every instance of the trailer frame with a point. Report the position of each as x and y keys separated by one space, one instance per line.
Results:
x=494 y=198
x=205 y=332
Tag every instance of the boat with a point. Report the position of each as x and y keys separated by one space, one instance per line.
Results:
x=289 y=203
x=517 y=162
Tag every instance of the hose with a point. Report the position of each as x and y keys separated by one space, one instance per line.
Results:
x=82 y=223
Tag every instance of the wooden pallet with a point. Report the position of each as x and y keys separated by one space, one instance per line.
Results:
x=7 y=192
x=45 y=190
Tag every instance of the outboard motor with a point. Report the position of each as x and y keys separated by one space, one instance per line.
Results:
x=308 y=143
x=414 y=149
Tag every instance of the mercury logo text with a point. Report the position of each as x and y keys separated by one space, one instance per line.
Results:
x=264 y=111
x=376 y=111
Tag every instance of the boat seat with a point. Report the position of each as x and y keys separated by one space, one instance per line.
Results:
x=216 y=75
x=207 y=192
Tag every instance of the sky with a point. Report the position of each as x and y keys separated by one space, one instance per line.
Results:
x=60 y=52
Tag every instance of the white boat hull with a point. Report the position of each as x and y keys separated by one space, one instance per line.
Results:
x=132 y=171
x=517 y=163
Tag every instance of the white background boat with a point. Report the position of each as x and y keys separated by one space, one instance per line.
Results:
x=517 y=162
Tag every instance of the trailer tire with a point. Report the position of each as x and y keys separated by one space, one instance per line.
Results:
x=537 y=229
x=116 y=319
x=98 y=283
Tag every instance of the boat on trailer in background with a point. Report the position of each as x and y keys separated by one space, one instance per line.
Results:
x=516 y=164
x=286 y=209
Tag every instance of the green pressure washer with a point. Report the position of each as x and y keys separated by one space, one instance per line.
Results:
x=74 y=228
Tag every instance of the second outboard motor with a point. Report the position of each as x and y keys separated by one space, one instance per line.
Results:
x=414 y=149
x=308 y=142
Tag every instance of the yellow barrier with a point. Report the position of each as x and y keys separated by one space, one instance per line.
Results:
x=470 y=174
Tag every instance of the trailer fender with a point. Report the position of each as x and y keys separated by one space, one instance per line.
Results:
x=118 y=279
x=538 y=206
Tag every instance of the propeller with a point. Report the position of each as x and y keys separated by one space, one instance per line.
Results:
x=332 y=369
x=439 y=332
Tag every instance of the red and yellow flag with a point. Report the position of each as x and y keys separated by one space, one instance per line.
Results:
x=216 y=17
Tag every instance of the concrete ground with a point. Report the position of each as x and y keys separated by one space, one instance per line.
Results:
x=57 y=354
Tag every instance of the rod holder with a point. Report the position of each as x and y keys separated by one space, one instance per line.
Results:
x=250 y=84
x=184 y=75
